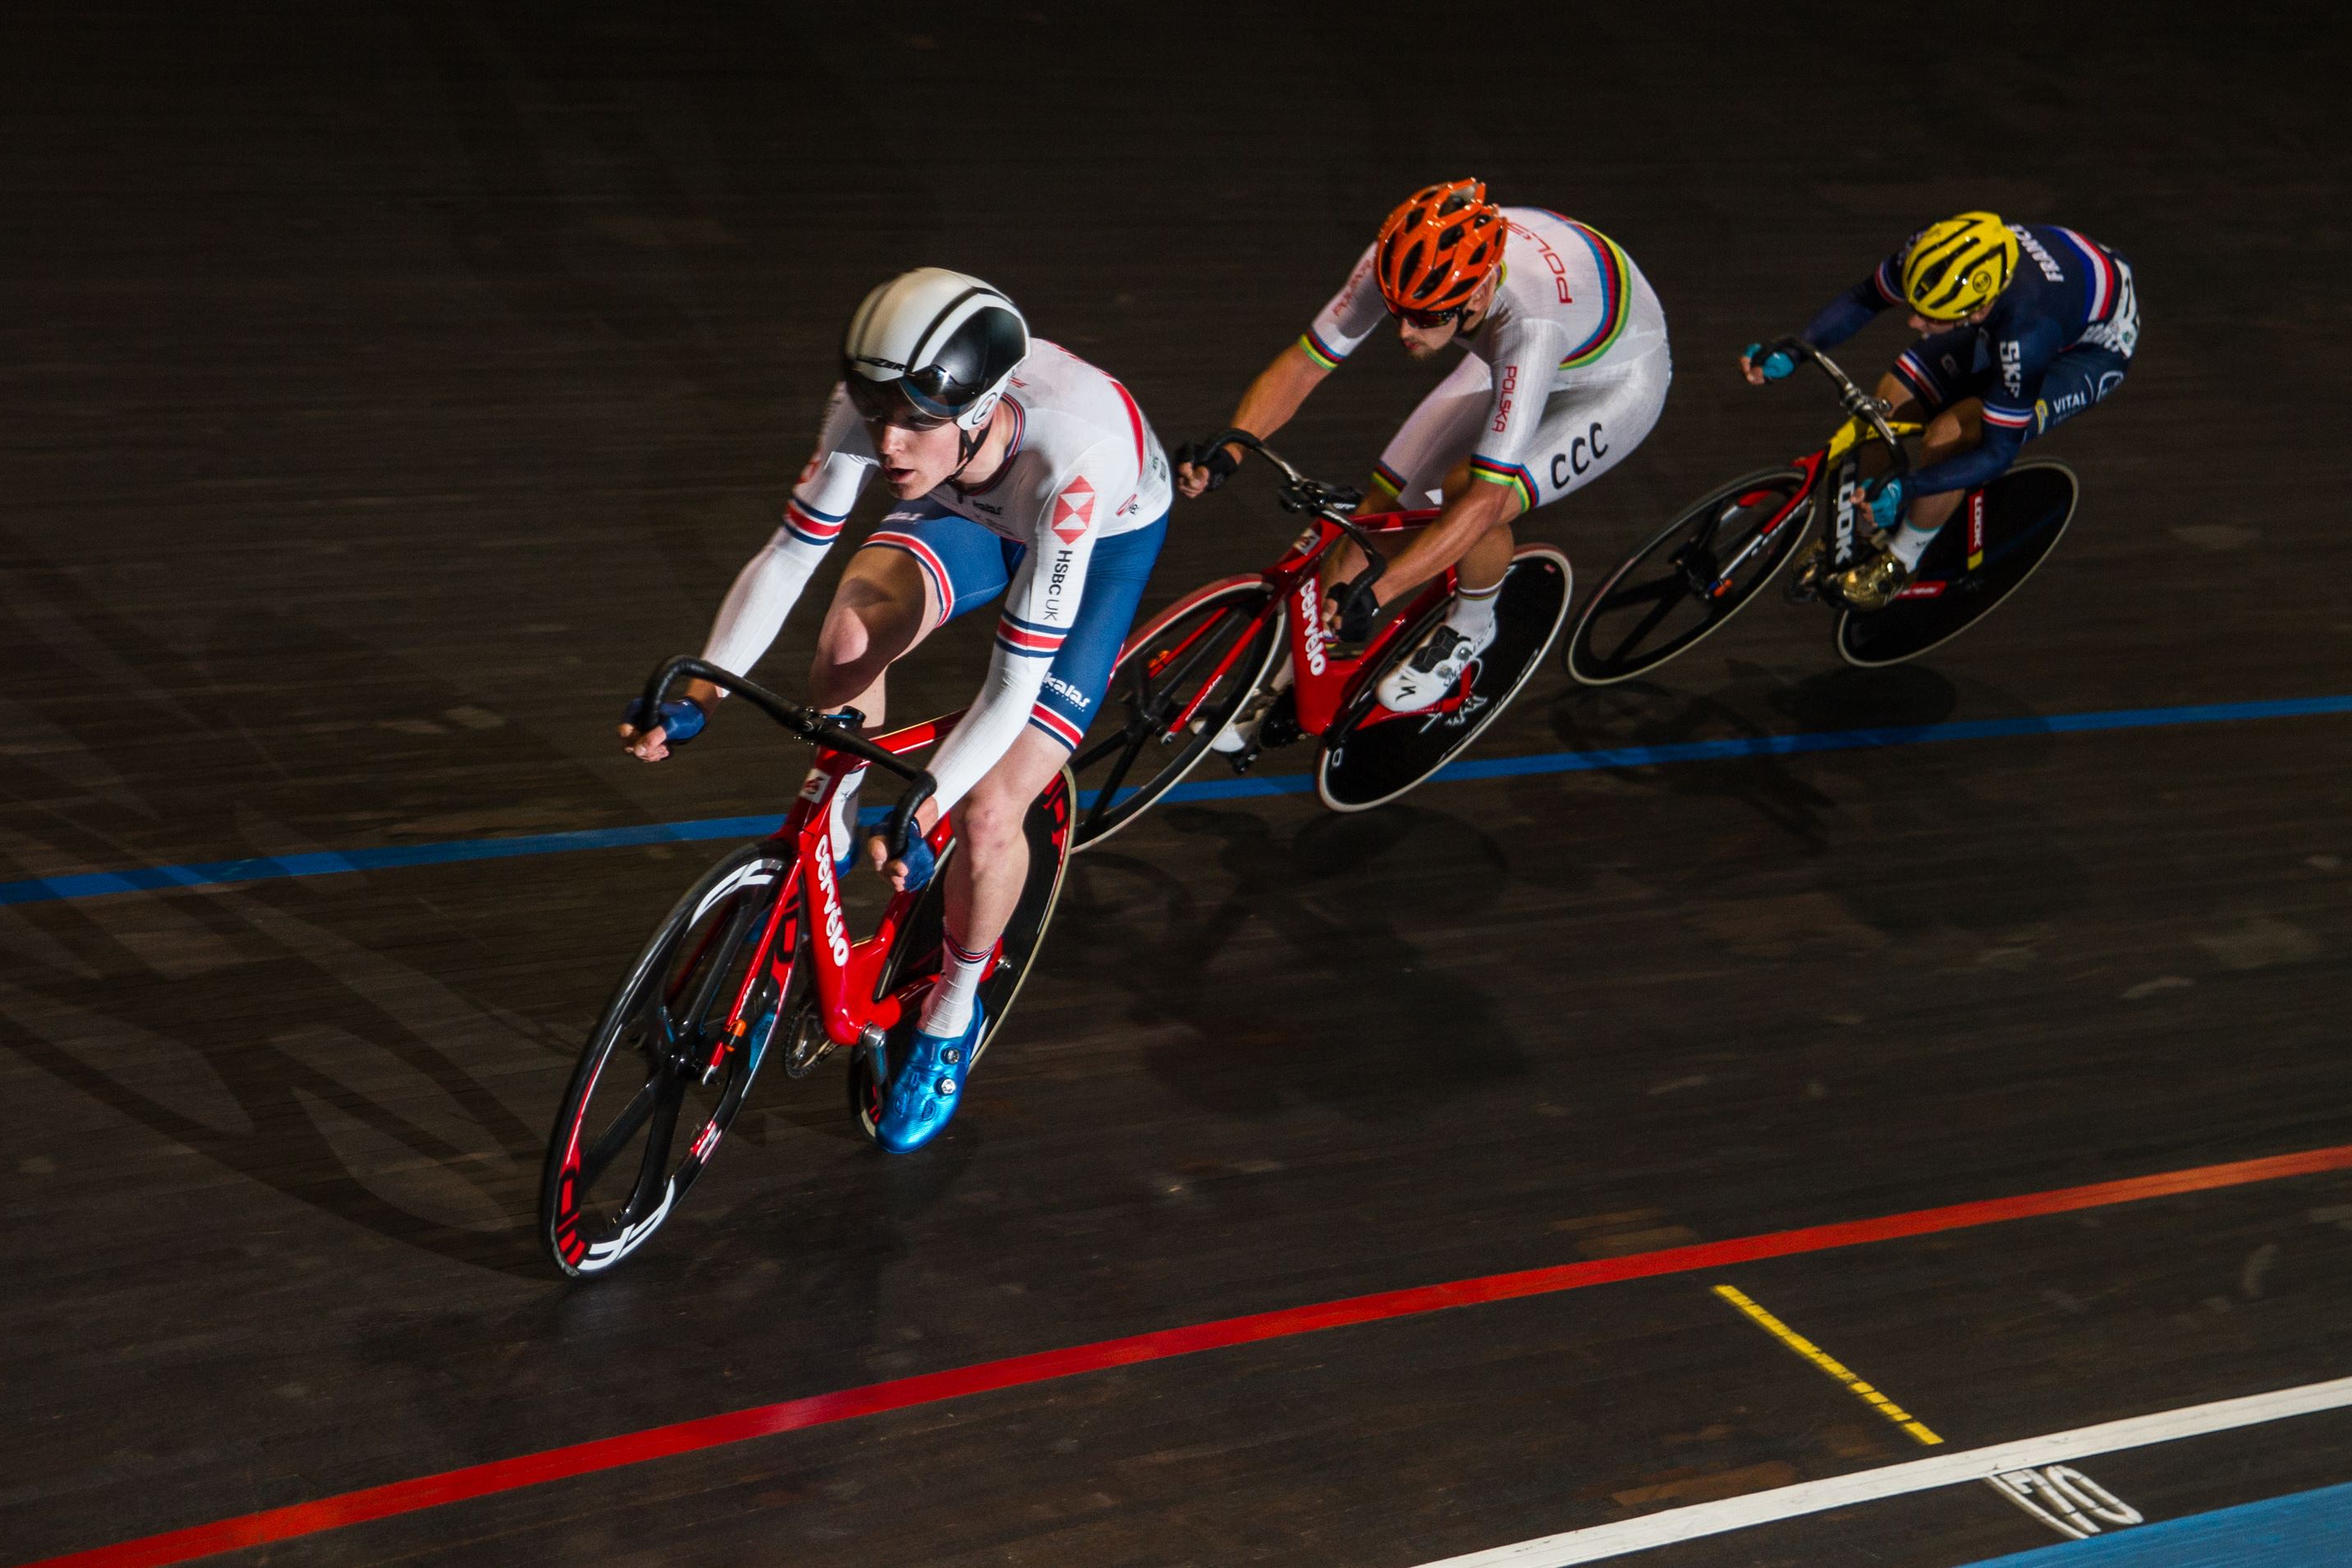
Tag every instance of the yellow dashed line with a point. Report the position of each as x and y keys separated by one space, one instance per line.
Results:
x=1828 y=1363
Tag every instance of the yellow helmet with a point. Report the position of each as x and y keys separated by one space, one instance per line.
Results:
x=1958 y=265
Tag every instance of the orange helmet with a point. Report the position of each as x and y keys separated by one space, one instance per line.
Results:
x=1437 y=247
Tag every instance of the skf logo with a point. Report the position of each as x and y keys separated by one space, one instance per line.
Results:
x=2013 y=365
x=1503 y=398
x=1074 y=510
x=1976 y=530
x=837 y=935
x=1310 y=620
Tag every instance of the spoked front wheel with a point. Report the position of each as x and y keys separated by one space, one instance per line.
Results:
x=1177 y=684
x=1689 y=579
x=666 y=1068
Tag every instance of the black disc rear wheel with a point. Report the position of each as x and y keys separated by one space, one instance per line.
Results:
x=1372 y=754
x=666 y=1070
x=1694 y=576
x=1180 y=680
x=2001 y=537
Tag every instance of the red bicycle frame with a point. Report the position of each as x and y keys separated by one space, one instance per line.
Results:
x=848 y=975
x=1326 y=679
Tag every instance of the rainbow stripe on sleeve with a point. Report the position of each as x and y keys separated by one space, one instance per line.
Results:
x=1512 y=474
x=1613 y=269
x=1321 y=352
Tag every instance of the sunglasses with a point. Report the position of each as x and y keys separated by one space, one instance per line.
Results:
x=1426 y=318
x=922 y=399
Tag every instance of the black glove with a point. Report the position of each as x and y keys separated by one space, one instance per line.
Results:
x=1358 y=609
x=1219 y=461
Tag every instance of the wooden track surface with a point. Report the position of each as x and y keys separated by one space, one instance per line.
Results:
x=388 y=385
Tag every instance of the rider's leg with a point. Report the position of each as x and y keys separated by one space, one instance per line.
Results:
x=1957 y=429
x=1478 y=575
x=883 y=606
x=1587 y=428
x=987 y=873
x=1439 y=434
x=986 y=876
x=916 y=570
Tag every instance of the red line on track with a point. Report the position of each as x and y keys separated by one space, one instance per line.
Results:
x=792 y=1415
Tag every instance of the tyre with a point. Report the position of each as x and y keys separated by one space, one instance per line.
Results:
x=1694 y=576
x=914 y=960
x=1176 y=684
x=2001 y=536
x=666 y=1070
x=1372 y=754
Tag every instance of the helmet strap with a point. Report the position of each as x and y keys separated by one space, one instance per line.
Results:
x=970 y=442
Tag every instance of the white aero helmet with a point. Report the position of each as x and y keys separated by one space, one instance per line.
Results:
x=930 y=346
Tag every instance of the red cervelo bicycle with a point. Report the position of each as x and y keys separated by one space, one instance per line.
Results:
x=1210 y=662
x=758 y=956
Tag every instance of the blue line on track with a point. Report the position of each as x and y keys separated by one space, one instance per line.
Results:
x=269 y=868
x=2307 y=1530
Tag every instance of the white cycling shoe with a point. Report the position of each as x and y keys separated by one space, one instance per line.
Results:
x=1433 y=669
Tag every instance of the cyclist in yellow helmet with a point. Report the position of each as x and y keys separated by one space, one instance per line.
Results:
x=2021 y=328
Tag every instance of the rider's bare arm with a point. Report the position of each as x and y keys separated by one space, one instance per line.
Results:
x=1466 y=518
x=1266 y=408
x=771 y=582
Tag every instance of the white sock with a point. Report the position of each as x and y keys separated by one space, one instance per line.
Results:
x=845 y=811
x=1909 y=544
x=948 y=1010
x=1473 y=612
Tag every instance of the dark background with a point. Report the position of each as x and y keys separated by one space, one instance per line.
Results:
x=382 y=388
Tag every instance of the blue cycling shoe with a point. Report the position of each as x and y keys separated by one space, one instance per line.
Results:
x=927 y=1087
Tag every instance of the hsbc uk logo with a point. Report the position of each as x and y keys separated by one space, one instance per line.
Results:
x=1074 y=510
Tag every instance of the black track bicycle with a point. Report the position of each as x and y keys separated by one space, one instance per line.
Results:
x=1699 y=570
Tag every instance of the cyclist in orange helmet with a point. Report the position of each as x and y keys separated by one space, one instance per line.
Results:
x=1566 y=371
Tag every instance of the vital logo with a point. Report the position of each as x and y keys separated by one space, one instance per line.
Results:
x=1074 y=510
x=1067 y=692
x=1976 y=530
x=836 y=931
x=1310 y=624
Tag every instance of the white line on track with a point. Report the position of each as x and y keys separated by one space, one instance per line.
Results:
x=1597 y=1541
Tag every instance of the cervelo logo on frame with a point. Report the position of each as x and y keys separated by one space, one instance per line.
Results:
x=1310 y=623
x=1074 y=509
x=836 y=934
